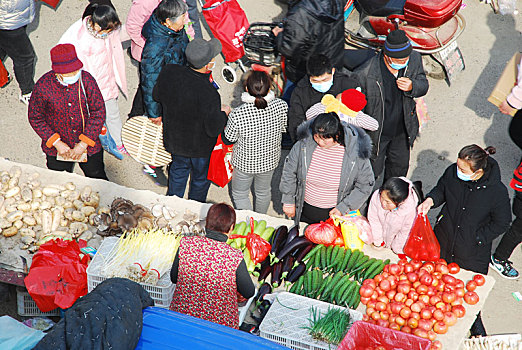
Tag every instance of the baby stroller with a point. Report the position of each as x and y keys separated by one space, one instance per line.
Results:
x=243 y=44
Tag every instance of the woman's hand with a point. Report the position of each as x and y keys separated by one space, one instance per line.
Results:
x=156 y=121
x=425 y=206
x=335 y=212
x=289 y=210
x=78 y=150
x=277 y=30
x=62 y=148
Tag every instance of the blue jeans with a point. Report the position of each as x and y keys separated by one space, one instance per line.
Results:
x=287 y=92
x=179 y=170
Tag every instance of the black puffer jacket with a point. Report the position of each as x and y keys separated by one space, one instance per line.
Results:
x=474 y=214
x=370 y=79
x=311 y=27
x=109 y=317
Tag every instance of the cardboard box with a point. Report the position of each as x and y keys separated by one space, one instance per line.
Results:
x=507 y=81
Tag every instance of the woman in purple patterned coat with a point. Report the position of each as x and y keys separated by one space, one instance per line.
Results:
x=67 y=111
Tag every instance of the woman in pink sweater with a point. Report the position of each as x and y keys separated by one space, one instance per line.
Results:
x=391 y=213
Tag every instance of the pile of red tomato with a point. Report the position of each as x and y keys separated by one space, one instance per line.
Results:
x=418 y=298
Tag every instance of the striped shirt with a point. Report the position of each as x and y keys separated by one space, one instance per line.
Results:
x=324 y=176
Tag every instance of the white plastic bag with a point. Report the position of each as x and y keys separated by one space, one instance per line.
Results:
x=17 y=336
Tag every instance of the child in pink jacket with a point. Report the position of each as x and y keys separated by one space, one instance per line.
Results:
x=391 y=213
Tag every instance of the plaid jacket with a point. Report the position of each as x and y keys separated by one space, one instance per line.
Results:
x=54 y=113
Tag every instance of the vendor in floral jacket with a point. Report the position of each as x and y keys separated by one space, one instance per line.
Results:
x=67 y=111
x=209 y=274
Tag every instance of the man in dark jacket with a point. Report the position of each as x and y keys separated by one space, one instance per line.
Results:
x=322 y=79
x=311 y=27
x=391 y=80
x=192 y=117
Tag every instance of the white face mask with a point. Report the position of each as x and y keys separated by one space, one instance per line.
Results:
x=70 y=80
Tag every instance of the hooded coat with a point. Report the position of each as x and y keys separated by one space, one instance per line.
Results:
x=473 y=215
x=311 y=27
x=357 y=178
x=162 y=46
x=393 y=227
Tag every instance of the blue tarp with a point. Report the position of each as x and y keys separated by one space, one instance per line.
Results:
x=168 y=330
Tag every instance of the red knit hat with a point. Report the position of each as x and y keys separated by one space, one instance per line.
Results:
x=64 y=59
x=353 y=99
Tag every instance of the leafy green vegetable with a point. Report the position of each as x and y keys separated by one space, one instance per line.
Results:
x=331 y=327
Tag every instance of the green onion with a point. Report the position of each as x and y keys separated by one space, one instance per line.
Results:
x=331 y=327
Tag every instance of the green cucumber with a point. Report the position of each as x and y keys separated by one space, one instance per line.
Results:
x=347 y=255
x=312 y=252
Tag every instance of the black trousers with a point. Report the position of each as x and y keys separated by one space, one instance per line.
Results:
x=313 y=215
x=138 y=106
x=513 y=236
x=393 y=157
x=16 y=44
x=93 y=168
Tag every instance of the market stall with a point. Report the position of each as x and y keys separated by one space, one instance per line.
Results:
x=11 y=249
x=288 y=264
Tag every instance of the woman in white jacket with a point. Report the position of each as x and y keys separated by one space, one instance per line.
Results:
x=98 y=45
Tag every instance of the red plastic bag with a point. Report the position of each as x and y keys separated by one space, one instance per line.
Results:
x=220 y=166
x=363 y=334
x=258 y=247
x=57 y=276
x=422 y=243
x=324 y=232
x=228 y=23
x=4 y=76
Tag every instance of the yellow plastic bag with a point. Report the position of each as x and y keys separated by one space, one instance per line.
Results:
x=349 y=230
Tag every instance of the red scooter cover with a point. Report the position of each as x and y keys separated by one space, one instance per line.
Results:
x=228 y=23
x=430 y=13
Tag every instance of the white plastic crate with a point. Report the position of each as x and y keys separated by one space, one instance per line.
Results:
x=161 y=293
x=287 y=318
x=27 y=306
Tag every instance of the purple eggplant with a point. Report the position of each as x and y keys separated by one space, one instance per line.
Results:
x=301 y=253
x=292 y=233
x=263 y=290
x=296 y=273
x=264 y=270
x=296 y=243
x=288 y=264
x=277 y=270
x=278 y=239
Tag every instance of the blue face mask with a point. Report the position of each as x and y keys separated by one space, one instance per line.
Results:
x=462 y=176
x=398 y=66
x=71 y=80
x=324 y=86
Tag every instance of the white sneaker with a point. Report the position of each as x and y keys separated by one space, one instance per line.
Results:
x=25 y=98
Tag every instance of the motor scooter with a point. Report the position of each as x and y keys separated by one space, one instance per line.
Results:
x=433 y=27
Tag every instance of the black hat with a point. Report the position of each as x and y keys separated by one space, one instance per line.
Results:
x=200 y=52
x=397 y=45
